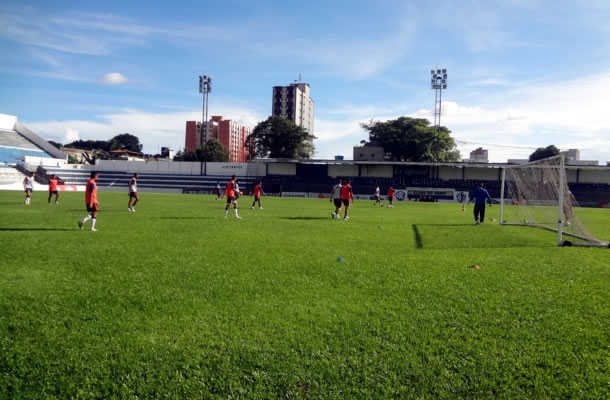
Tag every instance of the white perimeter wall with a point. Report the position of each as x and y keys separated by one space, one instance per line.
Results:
x=379 y=171
x=484 y=174
x=447 y=173
x=282 y=169
x=335 y=170
x=594 y=176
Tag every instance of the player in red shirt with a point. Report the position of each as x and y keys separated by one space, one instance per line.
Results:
x=91 y=201
x=53 y=189
x=258 y=190
x=391 y=193
x=231 y=192
x=347 y=196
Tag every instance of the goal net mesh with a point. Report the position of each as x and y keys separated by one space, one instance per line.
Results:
x=534 y=191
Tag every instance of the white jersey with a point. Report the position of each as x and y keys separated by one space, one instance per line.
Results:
x=337 y=191
x=377 y=192
x=133 y=185
x=28 y=182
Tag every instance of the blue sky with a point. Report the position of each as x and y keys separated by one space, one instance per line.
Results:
x=522 y=74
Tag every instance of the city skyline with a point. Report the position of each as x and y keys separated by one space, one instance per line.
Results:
x=523 y=74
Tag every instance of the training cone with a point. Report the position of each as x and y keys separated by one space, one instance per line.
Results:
x=340 y=259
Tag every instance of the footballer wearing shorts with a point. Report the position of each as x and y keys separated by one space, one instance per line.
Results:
x=91 y=202
x=391 y=193
x=347 y=196
x=230 y=191
x=53 y=189
x=377 y=197
x=258 y=190
x=28 y=186
x=133 y=193
x=335 y=196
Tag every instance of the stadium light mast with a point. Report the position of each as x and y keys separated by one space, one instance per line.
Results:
x=205 y=87
x=438 y=81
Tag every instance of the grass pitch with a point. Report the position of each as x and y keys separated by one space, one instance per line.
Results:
x=174 y=301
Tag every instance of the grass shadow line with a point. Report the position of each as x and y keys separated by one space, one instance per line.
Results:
x=34 y=229
x=184 y=217
x=303 y=218
x=418 y=241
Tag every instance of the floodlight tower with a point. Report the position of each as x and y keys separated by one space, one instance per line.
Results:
x=205 y=87
x=438 y=82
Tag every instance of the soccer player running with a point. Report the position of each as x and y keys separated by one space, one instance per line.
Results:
x=230 y=191
x=91 y=200
x=480 y=197
x=377 y=197
x=53 y=189
x=258 y=190
x=133 y=193
x=335 y=196
x=347 y=196
x=28 y=186
x=391 y=193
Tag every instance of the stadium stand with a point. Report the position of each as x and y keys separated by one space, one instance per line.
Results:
x=116 y=179
x=13 y=147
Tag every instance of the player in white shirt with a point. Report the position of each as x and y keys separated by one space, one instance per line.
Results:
x=133 y=193
x=377 y=197
x=28 y=186
x=335 y=196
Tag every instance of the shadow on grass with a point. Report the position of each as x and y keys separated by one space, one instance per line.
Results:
x=304 y=218
x=185 y=217
x=418 y=241
x=34 y=229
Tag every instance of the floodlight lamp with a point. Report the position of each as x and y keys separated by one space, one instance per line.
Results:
x=438 y=71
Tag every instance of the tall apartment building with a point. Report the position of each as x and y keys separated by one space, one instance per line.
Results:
x=230 y=133
x=293 y=103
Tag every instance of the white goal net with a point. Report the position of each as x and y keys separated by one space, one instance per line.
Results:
x=537 y=194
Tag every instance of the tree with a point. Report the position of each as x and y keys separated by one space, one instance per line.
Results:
x=412 y=139
x=125 y=141
x=90 y=145
x=277 y=137
x=213 y=151
x=544 y=152
x=54 y=144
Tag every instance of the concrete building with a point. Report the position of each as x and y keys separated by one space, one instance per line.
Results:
x=294 y=103
x=230 y=133
x=573 y=154
x=193 y=136
x=479 y=155
x=368 y=153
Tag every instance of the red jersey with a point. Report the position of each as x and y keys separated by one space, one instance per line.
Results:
x=91 y=191
x=391 y=192
x=230 y=192
x=346 y=190
x=257 y=190
x=52 y=185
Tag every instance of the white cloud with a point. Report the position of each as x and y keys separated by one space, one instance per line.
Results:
x=113 y=78
x=71 y=135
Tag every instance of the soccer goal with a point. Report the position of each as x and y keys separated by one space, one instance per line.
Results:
x=537 y=194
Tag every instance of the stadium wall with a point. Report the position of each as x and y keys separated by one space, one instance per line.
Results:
x=594 y=176
x=335 y=170
x=377 y=171
x=281 y=169
x=484 y=174
x=448 y=173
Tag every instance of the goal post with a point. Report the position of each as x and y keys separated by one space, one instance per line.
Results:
x=536 y=194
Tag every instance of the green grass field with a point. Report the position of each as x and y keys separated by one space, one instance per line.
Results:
x=174 y=301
